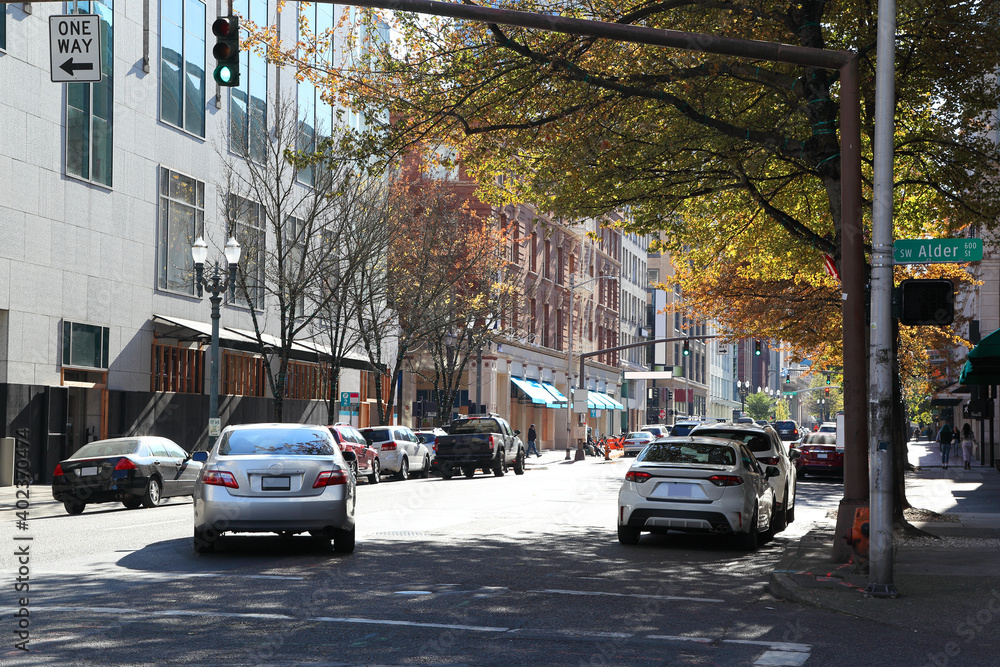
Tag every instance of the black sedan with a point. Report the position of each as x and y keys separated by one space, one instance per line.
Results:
x=137 y=471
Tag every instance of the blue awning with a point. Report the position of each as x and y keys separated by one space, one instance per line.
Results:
x=612 y=403
x=560 y=400
x=593 y=402
x=602 y=401
x=535 y=391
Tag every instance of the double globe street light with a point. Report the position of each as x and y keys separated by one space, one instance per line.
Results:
x=216 y=284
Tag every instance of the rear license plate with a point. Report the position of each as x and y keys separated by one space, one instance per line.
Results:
x=674 y=490
x=275 y=483
x=821 y=456
x=87 y=472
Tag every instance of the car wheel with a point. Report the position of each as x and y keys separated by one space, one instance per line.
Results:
x=790 y=512
x=425 y=472
x=748 y=541
x=152 y=496
x=779 y=519
x=354 y=471
x=204 y=541
x=519 y=463
x=469 y=471
x=500 y=466
x=74 y=506
x=343 y=541
x=132 y=503
x=628 y=535
x=376 y=474
x=404 y=470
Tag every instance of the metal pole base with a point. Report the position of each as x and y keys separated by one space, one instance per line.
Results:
x=567 y=454
x=881 y=591
x=580 y=454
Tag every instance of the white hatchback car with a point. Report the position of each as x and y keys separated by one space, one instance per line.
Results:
x=399 y=450
x=694 y=484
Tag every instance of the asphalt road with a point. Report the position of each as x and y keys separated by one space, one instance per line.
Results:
x=488 y=571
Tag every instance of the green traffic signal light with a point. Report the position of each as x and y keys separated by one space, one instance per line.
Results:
x=227 y=50
x=687 y=349
x=756 y=348
x=828 y=381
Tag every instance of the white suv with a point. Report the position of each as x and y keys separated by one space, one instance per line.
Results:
x=399 y=450
x=658 y=430
x=767 y=448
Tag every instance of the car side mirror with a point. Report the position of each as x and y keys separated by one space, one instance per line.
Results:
x=350 y=457
x=200 y=457
x=794 y=454
x=771 y=471
x=517 y=432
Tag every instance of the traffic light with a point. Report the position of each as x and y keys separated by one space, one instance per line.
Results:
x=927 y=302
x=687 y=349
x=828 y=379
x=826 y=391
x=670 y=396
x=756 y=348
x=788 y=377
x=227 y=50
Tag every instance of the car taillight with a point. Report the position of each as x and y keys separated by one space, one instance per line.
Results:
x=388 y=447
x=330 y=478
x=726 y=480
x=58 y=471
x=217 y=478
x=125 y=464
x=491 y=441
x=768 y=460
x=636 y=476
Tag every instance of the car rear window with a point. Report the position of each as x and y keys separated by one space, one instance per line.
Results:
x=277 y=442
x=681 y=429
x=476 y=426
x=757 y=442
x=781 y=425
x=688 y=452
x=107 y=448
x=377 y=435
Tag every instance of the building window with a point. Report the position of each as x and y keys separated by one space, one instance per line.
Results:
x=559 y=266
x=545 y=326
x=548 y=257
x=531 y=318
x=248 y=101
x=89 y=109
x=246 y=223
x=559 y=329
x=182 y=220
x=85 y=345
x=534 y=252
x=3 y=25
x=315 y=115
x=182 y=65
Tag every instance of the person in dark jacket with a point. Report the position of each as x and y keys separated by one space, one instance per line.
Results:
x=531 y=441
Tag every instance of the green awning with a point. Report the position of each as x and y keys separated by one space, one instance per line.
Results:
x=983 y=366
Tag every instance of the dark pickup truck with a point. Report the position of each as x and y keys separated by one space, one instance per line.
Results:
x=485 y=441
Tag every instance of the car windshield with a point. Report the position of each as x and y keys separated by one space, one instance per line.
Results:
x=377 y=435
x=475 y=426
x=757 y=442
x=107 y=448
x=688 y=452
x=277 y=442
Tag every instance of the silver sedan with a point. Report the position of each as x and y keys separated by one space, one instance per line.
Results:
x=697 y=485
x=275 y=478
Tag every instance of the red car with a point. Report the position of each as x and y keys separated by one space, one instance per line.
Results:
x=349 y=439
x=820 y=455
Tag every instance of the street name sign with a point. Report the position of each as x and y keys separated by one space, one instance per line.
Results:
x=921 y=251
x=75 y=48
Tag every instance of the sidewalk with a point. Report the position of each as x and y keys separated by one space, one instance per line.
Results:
x=946 y=577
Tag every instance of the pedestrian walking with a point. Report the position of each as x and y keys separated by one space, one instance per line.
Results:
x=968 y=445
x=531 y=441
x=944 y=437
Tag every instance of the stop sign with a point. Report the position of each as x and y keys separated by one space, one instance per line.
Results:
x=663 y=413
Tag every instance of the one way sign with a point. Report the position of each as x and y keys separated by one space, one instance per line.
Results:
x=75 y=48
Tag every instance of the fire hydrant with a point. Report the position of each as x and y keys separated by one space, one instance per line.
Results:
x=858 y=539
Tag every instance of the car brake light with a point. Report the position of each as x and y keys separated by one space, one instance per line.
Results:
x=125 y=464
x=636 y=476
x=491 y=441
x=58 y=471
x=768 y=460
x=330 y=478
x=216 y=478
x=726 y=480
x=388 y=447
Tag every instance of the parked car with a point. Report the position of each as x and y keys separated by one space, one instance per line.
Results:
x=745 y=420
x=684 y=427
x=787 y=429
x=820 y=455
x=697 y=484
x=635 y=442
x=827 y=427
x=400 y=450
x=658 y=430
x=481 y=442
x=763 y=441
x=367 y=463
x=429 y=438
x=137 y=471
x=275 y=478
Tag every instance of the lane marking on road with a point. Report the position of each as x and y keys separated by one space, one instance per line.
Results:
x=167 y=576
x=782 y=659
x=776 y=646
x=414 y=592
x=626 y=595
x=415 y=624
x=678 y=638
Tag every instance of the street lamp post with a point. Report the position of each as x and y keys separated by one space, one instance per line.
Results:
x=744 y=388
x=580 y=452
x=216 y=285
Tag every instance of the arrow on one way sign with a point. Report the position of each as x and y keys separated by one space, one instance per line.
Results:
x=75 y=48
